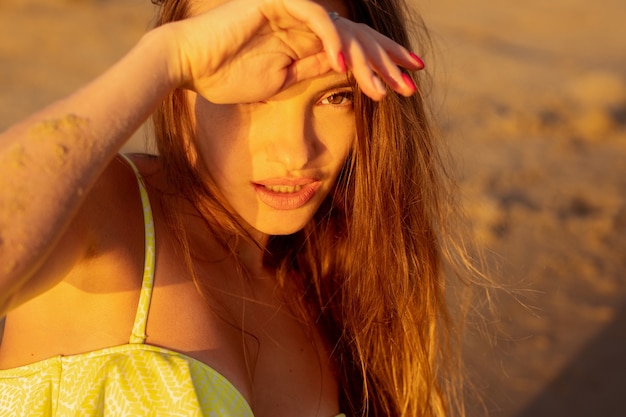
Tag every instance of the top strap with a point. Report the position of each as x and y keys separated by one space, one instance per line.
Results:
x=141 y=318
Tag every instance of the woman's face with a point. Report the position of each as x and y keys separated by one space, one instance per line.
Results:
x=275 y=161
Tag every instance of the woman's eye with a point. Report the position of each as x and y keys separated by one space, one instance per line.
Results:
x=341 y=98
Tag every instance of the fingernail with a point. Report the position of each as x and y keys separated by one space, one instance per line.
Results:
x=417 y=59
x=342 y=61
x=379 y=85
x=409 y=82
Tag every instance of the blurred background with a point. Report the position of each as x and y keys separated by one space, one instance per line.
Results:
x=531 y=97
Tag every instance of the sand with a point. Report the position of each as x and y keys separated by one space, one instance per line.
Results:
x=531 y=97
x=535 y=107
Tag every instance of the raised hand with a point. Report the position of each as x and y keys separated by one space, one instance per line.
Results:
x=249 y=50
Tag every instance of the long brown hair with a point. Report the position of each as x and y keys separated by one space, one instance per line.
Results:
x=369 y=264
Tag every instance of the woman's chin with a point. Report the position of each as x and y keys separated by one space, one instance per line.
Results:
x=281 y=225
x=279 y=230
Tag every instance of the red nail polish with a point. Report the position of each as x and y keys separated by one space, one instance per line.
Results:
x=417 y=59
x=342 y=61
x=409 y=82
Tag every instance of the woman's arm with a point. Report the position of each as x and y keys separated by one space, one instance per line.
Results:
x=50 y=161
x=241 y=51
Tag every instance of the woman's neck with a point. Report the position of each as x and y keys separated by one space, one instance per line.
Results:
x=251 y=253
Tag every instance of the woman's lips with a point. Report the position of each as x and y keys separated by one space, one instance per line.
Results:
x=286 y=194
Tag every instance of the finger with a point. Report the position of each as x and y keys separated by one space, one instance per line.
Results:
x=381 y=63
x=399 y=54
x=316 y=18
x=309 y=67
x=369 y=82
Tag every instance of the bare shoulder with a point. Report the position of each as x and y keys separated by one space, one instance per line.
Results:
x=110 y=216
x=114 y=201
x=111 y=219
x=108 y=222
x=95 y=268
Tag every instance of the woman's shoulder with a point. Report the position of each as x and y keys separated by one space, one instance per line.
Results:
x=108 y=227
x=117 y=189
x=112 y=214
x=122 y=175
x=102 y=246
x=102 y=249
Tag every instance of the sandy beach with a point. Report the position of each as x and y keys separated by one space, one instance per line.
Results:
x=535 y=108
x=531 y=97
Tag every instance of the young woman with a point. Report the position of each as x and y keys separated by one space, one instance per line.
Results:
x=281 y=255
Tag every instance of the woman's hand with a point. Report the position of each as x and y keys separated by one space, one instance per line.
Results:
x=249 y=50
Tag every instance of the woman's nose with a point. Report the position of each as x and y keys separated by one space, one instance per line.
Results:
x=292 y=143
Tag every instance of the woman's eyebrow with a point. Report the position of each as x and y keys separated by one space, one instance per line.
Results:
x=335 y=85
